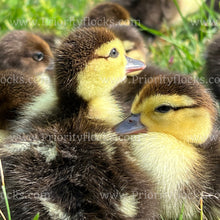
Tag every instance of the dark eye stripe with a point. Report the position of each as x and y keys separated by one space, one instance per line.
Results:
x=167 y=108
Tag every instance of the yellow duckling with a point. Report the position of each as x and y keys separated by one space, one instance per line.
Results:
x=96 y=67
x=180 y=145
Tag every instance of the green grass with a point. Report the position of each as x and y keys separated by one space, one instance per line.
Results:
x=182 y=48
x=52 y=15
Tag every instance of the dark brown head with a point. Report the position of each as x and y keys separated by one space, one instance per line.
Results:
x=25 y=52
x=105 y=14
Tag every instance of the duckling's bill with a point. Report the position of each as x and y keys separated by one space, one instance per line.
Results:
x=131 y=125
x=133 y=65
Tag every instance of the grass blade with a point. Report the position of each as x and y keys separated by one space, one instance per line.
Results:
x=181 y=214
x=2 y=215
x=201 y=208
x=36 y=217
x=4 y=191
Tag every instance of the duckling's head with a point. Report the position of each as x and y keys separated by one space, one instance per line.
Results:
x=174 y=104
x=24 y=52
x=105 y=14
x=91 y=62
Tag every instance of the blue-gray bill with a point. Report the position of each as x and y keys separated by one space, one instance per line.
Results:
x=131 y=125
x=134 y=65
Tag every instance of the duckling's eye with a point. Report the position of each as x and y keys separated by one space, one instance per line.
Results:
x=38 y=56
x=163 y=109
x=114 y=53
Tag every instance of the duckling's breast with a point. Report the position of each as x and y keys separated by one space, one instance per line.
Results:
x=172 y=164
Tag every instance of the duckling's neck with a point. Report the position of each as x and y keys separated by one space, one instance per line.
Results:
x=172 y=165
x=105 y=108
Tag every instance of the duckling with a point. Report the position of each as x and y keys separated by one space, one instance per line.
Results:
x=106 y=14
x=152 y=13
x=94 y=59
x=147 y=12
x=26 y=61
x=212 y=66
x=25 y=52
x=76 y=168
x=179 y=147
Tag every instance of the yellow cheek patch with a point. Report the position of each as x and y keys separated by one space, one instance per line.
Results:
x=192 y=125
x=101 y=75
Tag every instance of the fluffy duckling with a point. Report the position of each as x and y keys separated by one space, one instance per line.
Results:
x=94 y=55
x=213 y=66
x=152 y=13
x=24 y=51
x=26 y=78
x=106 y=14
x=77 y=168
x=180 y=145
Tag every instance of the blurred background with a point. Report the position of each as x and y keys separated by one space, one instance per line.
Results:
x=179 y=47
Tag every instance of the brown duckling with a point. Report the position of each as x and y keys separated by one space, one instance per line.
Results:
x=213 y=66
x=25 y=60
x=77 y=168
x=24 y=51
x=179 y=147
x=106 y=14
x=92 y=88
x=152 y=13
